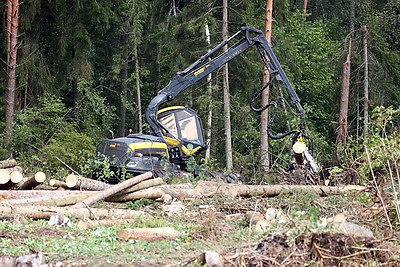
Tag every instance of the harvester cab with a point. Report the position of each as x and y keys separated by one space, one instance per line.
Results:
x=183 y=132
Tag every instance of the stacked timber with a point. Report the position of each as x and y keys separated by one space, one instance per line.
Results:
x=11 y=176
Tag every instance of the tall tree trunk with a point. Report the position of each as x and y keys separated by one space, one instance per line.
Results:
x=366 y=82
x=138 y=98
x=265 y=94
x=124 y=81
x=344 y=100
x=352 y=17
x=12 y=48
x=210 y=102
x=227 y=104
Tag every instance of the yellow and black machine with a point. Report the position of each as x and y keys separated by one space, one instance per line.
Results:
x=178 y=131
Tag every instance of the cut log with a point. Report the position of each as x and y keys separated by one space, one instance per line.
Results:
x=8 y=163
x=178 y=191
x=86 y=224
x=4 y=176
x=57 y=183
x=148 y=234
x=31 y=182
x=207 y=188
x=43 y=212
x=113 y=190
x=15 y=168
x=55 y=201
x=142 y=185
x=16 y=177
x=77 y=182
x=28 y=194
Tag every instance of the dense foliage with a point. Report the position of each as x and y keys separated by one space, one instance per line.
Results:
x=73 y=56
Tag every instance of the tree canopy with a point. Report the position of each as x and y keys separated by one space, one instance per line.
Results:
x=71 y=59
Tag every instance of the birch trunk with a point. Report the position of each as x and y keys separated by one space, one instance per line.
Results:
x=366 y=82
x=210 y=102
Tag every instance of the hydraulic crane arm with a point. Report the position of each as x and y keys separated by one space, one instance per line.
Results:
x=192 y=74
x=207 y=64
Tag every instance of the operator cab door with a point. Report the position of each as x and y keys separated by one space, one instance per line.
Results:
x=183 y=132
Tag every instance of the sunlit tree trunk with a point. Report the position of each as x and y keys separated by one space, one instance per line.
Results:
x=12 y=48
x=210 y=102
x=265 y=94
x=227 y=102
x=366 y=82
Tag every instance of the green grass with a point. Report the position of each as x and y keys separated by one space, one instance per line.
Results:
x=99 y=246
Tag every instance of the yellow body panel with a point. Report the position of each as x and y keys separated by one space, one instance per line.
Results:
x=170 y=108
x=142 y=145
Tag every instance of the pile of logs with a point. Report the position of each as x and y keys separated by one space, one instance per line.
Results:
x=75 y=194
x=11 y=176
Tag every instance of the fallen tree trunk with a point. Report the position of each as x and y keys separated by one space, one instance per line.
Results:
x=27 y=194
x=210 y=189
x=32 y=182
x=179 y=191
x=77 y=182
x=8 y=163
x=42 y=212
x=142 y=185
x=113 y=190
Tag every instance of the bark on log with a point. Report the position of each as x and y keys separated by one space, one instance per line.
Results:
x=43 y=212
x=113 y=190
x=8 y=163
x=31 y=182
x=58 y=183
x=57 y=201
x=15 y=168
x=210 y=189
x=77 y=182
x=28 y=194
x=148 y=234
x=142 y=185
x=86 y=224
x=179 y=191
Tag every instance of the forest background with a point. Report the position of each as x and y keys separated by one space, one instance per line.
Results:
x=87 y=67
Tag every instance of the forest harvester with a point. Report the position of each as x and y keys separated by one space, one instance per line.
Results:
x=177 y=130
